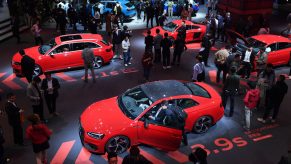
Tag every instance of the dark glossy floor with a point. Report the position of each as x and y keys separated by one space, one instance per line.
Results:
x=226 y=141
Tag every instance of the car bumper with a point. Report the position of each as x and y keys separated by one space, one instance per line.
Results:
x=91 y=144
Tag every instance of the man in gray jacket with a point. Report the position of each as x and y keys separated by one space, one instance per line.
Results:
x=88 y=57
x=157 y=45
x=34 y=94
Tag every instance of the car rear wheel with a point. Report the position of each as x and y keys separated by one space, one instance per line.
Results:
x=202 y=124
x=37 y=70
x=97 y=62
x=117 y=144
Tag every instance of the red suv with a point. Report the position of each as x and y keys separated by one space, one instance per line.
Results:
x=64 y=52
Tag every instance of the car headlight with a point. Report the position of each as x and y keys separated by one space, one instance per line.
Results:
x=97 y=136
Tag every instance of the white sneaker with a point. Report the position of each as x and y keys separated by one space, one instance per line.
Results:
x=129 y=63
x=115 y=56
x=125 y=65
x=169 y=67
x=121 y=57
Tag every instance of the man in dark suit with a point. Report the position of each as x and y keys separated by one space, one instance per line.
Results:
x=50 y=87
x=27 y=65
x=13 y=113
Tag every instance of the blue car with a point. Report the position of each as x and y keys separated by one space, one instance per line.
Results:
x=128 y=9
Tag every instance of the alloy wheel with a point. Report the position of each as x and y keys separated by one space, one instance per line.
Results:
x=97 y=62
x=202 y=124
x=117 y=144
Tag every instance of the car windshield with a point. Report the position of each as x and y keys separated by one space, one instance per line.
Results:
x=133 y=102
x=44 y=48
x=197 y=90
x=170 y=26
x=255 y=43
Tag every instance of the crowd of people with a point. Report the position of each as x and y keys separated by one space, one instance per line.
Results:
x=235 y=66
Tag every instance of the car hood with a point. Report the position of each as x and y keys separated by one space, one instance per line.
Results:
x=104 y=117
x=31 y=52
x=236 y=38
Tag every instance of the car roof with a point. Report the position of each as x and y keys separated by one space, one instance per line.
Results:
x=269 y=39
x=74 y=37
x=165 y=88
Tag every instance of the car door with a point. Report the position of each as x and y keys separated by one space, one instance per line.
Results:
x=272 y=56
x=157 y=134
x=283 y=52
x=196 y=33
x=76 y=54
x=189 y=33
x=57 y=58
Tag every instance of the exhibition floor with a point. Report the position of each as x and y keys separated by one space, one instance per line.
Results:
x=226 y=142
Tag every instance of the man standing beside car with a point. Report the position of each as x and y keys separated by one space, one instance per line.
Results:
x=118 y=12
x=27 y=66
x=88 y=58
x=157 y=45
x=50 y=86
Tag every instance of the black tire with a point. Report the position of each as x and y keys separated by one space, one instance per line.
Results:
x=37 y=70
x=117 y=144
x=98 y=62
x=202 y=124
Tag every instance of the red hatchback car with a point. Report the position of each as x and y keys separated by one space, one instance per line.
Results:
x=112 y=125
x=280 y=46
x=194 y=32
x=64 y=52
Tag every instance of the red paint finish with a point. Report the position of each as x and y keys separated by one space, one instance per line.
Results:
x=55 y=59
x=195 y=32
x=10 y=83
x=63 y=152
x=83 y=157
x=65 y=77
x=178 y=156
x=112 y=121
x=263 y=137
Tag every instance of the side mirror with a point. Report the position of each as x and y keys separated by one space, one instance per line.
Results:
x=146 y=123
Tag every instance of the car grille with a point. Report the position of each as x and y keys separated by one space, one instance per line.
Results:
x=81 y=133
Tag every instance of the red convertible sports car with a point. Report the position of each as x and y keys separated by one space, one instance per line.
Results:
x=112 y=125
x=64 y=52
x=195 y=32
x=280 y=46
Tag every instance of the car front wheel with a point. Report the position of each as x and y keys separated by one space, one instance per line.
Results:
x=202 y=124
x=37 y=70
x=117 y=144
x=97 y=62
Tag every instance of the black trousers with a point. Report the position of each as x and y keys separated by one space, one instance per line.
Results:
x=17 y=134
x=225 y=97
x=177 y=55
x=38 y=40
x=272 y=105
x=150 y=19
x=221 y=67
x=247 y=69
x=38 y=109
x=2 y=158
x=184 y=137
x=157 y=20
x=205 y=55
x=28 y=75
x=166 y=58
x=157 y=56
x=138 y=14
x=51 y=102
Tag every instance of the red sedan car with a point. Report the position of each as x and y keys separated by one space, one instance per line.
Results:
x=194 y=32
x=280 y=46
x=64 y=52
x=112 y=125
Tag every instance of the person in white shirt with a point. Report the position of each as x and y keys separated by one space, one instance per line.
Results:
x=247 y=60
x=126 y=51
